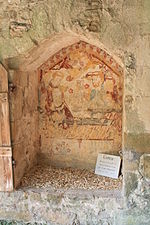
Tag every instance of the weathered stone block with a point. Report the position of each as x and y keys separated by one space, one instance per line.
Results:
x=144 y=166
x=137 y=142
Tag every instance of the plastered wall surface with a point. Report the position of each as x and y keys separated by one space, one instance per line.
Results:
x=81 y=89
x=123 y=27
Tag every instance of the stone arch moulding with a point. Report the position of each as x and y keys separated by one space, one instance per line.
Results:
x=81 y=92
x=38 y=55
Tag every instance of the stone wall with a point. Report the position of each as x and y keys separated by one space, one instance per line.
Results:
x=123 y=27
x=61 y=208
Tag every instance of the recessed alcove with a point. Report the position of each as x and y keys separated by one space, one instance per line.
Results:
x=69 y=109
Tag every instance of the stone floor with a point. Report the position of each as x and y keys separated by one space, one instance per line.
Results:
x=69 y=179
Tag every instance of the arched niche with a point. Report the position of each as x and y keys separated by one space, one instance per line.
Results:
x=69 y=99
x=80 y=102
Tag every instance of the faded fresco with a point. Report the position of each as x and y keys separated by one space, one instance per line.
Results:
x=80 y=104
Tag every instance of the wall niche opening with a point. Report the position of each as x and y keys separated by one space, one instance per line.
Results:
x=73 y=107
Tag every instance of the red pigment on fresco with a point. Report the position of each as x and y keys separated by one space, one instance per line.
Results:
x=86 y=86
x=70 y=90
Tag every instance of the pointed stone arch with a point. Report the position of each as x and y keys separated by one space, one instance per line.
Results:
x=83 y=46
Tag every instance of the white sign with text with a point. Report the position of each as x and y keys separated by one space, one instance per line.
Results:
x=108 y=165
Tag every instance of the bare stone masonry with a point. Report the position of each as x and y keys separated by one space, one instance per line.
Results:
x=31 y=32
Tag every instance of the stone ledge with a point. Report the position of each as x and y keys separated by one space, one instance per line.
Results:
x=61 y=207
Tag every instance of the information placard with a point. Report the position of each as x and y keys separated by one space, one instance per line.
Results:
x=108 y=165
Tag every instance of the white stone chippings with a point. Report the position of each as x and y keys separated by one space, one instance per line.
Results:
x=57 y=178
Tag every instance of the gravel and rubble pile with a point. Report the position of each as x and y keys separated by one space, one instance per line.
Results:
x=68 y=178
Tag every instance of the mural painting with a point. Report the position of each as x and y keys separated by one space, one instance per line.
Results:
x=80 y=104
